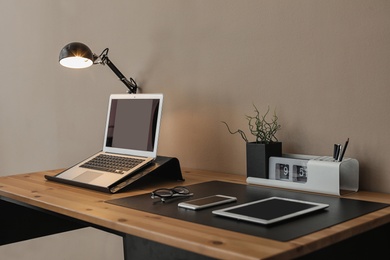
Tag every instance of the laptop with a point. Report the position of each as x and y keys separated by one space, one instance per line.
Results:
x=131 y=137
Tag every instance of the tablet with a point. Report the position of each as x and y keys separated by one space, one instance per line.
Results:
x=270 y=210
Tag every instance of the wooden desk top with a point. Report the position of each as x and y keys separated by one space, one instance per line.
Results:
x=89 y=206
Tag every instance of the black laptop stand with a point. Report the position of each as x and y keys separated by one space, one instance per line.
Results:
x=161 y=169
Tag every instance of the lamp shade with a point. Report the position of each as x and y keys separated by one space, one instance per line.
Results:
x=76 y=55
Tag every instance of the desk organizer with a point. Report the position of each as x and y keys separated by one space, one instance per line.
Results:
x=320 y=174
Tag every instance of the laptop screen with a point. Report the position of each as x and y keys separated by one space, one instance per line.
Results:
x=133 y=123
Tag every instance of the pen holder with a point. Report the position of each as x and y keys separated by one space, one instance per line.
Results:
x=321 y=174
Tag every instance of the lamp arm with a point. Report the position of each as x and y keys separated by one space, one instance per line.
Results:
x=130 y=84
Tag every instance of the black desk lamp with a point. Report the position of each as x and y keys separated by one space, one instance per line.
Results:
x=77 y=55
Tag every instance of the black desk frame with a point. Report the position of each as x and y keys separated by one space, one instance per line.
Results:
x=28 y=219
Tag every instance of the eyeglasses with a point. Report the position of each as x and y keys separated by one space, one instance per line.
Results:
x=165 y=193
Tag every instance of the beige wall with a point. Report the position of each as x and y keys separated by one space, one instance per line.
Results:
x=84 y=244
x=324 y=66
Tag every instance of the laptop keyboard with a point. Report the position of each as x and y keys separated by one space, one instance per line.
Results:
x=111 y=163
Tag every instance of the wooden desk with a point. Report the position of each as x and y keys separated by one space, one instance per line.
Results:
x=32 y=190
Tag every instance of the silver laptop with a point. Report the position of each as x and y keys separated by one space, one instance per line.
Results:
x=131 y=137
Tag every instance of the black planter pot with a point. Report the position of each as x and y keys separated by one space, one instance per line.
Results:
x=257 y=157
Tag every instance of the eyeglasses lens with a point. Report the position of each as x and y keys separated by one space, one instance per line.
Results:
x=163 y=193
x=181 y=190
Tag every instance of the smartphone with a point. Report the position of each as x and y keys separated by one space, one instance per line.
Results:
x=207 y=202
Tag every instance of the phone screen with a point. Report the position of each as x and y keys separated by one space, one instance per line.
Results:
x=206 y=202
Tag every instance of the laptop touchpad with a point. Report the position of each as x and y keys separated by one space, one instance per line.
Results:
x=87 y=176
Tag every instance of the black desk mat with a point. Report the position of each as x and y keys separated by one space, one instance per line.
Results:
x=339 y=210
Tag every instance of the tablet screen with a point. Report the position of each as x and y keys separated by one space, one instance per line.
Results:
x=270 y=210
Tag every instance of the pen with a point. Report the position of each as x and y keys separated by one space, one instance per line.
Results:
x=336 y=151
x=344 y=149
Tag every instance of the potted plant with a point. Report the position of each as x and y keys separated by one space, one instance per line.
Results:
x=265 y=145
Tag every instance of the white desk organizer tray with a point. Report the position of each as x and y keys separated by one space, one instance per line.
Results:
x=320 y=174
